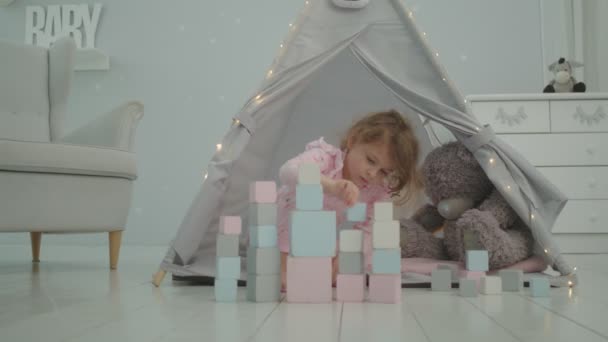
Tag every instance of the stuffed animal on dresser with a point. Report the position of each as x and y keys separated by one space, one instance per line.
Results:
x=564 y=81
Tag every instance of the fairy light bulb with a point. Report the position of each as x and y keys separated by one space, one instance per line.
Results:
x=269 y=72
x=410 y=14
x=218 y=147
x=492 y=161
x=205 y=175
x=437 y=54
x=236 y=121
x=570 y=283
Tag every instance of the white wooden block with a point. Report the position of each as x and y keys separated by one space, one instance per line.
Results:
x=490 y=285
x=383 y=211
x=351 y=240
x=385 y=234
x=309 y=173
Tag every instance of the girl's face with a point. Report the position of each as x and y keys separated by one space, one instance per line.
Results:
x=367 y=164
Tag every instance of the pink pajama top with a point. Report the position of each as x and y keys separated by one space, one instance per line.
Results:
x=331 y=162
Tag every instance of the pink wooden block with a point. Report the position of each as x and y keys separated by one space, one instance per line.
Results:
x=230 y=225
x=309 y=279
x=476 y=275
x=263 y=192
x=385 y=288
x=350 y=287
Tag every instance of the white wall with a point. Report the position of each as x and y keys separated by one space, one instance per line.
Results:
x=595 y=26
x=193 y=64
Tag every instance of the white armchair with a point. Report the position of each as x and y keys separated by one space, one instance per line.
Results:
x=56 y=183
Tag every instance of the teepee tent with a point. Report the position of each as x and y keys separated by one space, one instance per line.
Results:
x=338 y=63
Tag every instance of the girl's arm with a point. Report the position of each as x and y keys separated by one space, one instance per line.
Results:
x=288 y=173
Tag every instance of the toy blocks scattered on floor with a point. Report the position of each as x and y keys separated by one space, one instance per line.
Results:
x=539 y=287
x=384 y=288
x=477 y=260
x=491 y=285
x=512 y=280
x=468 y=287
x=441 y=280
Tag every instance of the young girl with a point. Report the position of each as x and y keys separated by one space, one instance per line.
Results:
x=376 y=160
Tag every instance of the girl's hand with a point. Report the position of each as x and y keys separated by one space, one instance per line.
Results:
x=346 y=191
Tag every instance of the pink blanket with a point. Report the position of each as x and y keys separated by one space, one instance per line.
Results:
x=426 y=266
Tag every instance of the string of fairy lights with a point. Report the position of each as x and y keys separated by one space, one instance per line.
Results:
x=434 y=55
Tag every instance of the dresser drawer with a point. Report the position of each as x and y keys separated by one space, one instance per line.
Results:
x=561 y=149
x=579 y=183
x=579 y=116
x=583 y=216
x=514 y=116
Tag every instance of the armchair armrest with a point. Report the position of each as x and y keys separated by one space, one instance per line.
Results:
x=115 y=129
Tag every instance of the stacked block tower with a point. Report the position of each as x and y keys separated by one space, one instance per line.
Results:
x=350 y=284
x=228 y=261
x=312 y=237
x=385 y=280
x=263 y=256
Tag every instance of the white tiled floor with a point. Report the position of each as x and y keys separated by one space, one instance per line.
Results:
x=72 y=296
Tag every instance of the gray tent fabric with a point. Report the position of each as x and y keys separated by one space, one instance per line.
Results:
x=335 y=65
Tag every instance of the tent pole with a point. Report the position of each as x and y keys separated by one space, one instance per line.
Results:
x=158 y=277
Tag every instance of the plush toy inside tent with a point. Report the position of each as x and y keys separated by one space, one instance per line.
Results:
x=336 y=65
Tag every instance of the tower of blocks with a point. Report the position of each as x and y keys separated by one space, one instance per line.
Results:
x=385 y=279
x=228 y=261
x=263 y=256
x=350 y=285
x=312 y=237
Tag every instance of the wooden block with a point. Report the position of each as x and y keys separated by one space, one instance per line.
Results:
x=309 y=173
x=383 y=211
x=384 y=288
x=225 y=290
x=539 y=287
x=453 y=268
x=357 y=213
x=350 y=287
x=350 y=262
x=309 y=197
x=477 y=260
x=230 y=225
x=468 y=287
x=228 y=268
x=385 y=234
x=473 y=275
x=491 y=285
x=309 y=279
x=263 y=192
x=263 y=288
x=263 y=236
x=313 y=233
x=386 y=261
x=227 y=245
x=351 y=240
x=262 y=214
x=263 y=261
x=512 y=280
x=441 y=280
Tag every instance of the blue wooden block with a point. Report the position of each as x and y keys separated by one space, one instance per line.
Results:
x=225 y=290
x=357 y=213
x=539 y=287
x=386 y=261
x=313 y=233
x=477 y=260
x=309 y=197
x=263 y=236
x=228 y=268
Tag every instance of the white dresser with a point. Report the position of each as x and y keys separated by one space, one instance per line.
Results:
x=566 y=137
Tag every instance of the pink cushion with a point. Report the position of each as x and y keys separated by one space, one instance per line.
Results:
x=350 y=287
x=385 y=288
x=309 y=279
x=230 y=225
x=263 y=192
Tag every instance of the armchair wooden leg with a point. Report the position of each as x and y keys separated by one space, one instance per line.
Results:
x=35 y=237
x=115 y=238
x=158 y=278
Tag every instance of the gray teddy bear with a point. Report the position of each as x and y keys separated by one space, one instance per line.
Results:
x=466 y=205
